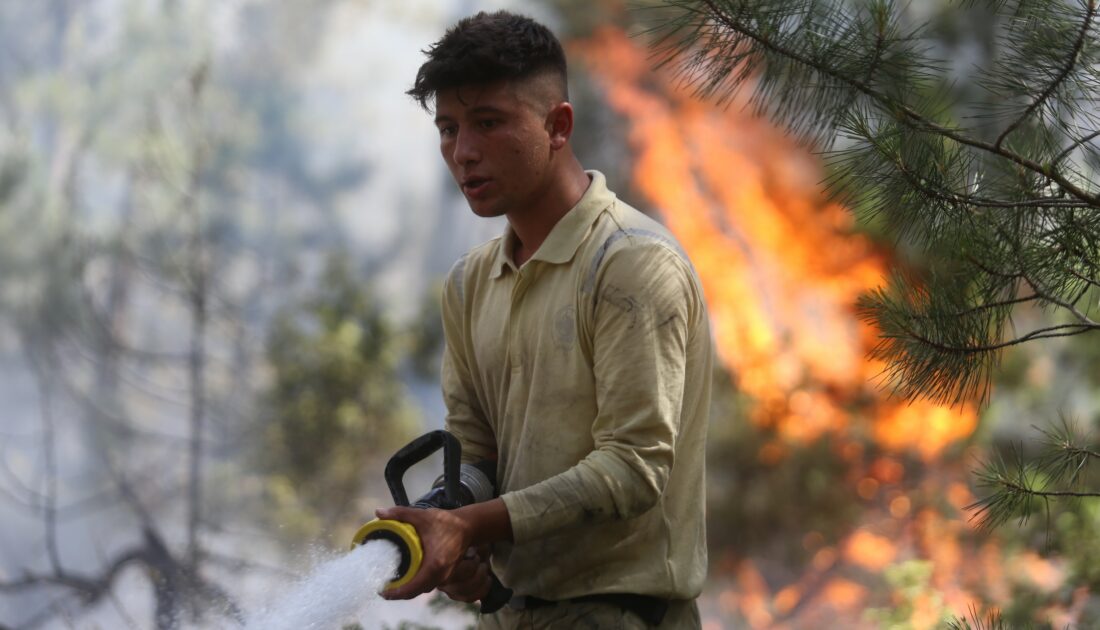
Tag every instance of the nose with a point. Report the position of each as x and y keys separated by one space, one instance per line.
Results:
x=465 y=150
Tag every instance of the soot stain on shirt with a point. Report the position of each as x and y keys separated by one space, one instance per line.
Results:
x=626 y=303
x=591 y=514
x=668 y=320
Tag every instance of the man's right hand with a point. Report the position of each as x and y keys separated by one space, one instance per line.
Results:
x=469 y=582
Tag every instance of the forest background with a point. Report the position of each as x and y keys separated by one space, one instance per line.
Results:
x=222 y=230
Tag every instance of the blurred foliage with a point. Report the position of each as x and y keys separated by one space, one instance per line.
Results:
x=913 y=597
x=764 y=496
x=426 y=334
x=147 y=171
x=335 y=404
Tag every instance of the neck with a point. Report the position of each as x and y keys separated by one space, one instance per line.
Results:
x=533 y=224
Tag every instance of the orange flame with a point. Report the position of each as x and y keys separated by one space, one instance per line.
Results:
x=870 y=551
x=781 y=267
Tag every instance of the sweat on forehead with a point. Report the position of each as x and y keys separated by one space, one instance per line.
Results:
x=490 y=47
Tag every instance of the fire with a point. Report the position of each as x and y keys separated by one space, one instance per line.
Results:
x=870 y=551
x=927 y=429
x=782 y=268
x=843 y=595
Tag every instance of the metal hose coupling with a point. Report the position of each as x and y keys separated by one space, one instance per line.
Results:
x=474 y=486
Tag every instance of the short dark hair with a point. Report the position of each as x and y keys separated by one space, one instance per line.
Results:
x=488 y=47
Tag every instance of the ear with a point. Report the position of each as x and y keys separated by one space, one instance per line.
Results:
x=559 y=124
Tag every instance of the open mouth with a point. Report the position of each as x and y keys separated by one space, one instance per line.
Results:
x=475 y=185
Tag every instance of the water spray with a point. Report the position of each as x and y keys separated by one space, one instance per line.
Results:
x=460 y=484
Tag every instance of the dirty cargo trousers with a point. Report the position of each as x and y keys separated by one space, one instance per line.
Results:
x=681 y=615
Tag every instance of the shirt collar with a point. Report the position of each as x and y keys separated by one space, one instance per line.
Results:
x=567 y=235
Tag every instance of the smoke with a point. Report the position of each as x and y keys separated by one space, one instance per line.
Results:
x=91 y=426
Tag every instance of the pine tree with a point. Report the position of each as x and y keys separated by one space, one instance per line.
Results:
x=990 y=181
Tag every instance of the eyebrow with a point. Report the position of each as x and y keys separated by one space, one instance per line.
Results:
x=480 y=109
x=486 y=109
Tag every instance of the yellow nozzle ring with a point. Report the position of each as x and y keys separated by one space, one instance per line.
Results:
x=404 y=537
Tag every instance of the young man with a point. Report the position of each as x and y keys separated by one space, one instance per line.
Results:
x=578 y=359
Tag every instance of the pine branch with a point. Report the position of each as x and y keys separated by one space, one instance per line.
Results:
x=966 y=200
x=992 y=214
x=1092 y=201
x=1042 y=333
x=939 y=348
x=1063 y=73
x=1077 y=143
x=1089 y=282
x=901 y=112
x=1017 y=487
x=1001 y=303
x=1012 y=493
x=992 y=620
x=1048 y=493
x=1069 y=306
x=1066 y=456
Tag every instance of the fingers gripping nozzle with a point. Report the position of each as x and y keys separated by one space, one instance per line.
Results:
x=459 y=485
x=474 y=487
x=404 y=537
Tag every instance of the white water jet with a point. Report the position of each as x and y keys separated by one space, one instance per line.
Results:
x=337 y=592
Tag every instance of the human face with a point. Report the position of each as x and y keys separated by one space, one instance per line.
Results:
x=496 y=142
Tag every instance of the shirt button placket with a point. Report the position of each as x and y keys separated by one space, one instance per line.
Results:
x=514 y=346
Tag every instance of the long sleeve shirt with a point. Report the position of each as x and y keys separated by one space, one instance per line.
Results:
x=586 y=374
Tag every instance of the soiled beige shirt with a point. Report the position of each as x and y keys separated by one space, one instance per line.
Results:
x=586 y=372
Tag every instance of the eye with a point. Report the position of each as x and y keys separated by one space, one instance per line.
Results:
x=446 y=131
x=487 y=123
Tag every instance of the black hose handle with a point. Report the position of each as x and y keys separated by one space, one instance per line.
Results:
x=496 y=598
x=416 y=451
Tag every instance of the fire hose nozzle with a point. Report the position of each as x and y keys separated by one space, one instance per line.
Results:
x=460 y=484
x=404 y=537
